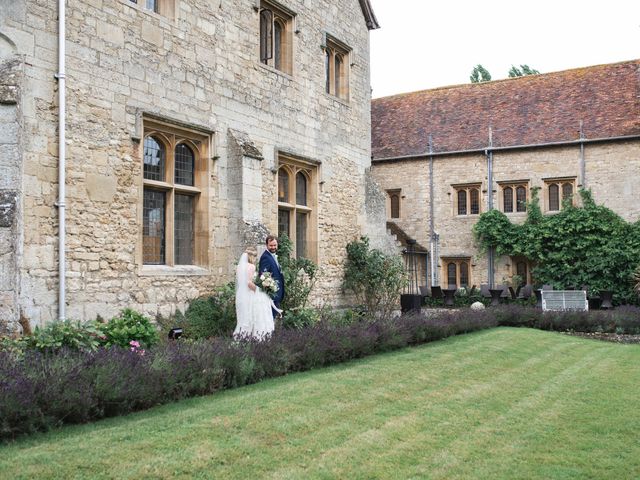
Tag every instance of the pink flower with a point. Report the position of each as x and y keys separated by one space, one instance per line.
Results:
x=134 y=344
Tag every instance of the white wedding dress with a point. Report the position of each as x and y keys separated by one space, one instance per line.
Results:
x=253 y=308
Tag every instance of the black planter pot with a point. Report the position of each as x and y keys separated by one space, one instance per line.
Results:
x=410 y=301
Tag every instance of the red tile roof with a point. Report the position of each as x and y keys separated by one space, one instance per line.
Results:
x=521 y=111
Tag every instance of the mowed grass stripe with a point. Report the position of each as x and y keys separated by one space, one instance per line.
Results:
x=503 y=403
x=457 y=415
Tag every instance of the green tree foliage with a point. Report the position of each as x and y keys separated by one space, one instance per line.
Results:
x=588 y=245
x=479 y=74
x=523 y=71
x=374 y=278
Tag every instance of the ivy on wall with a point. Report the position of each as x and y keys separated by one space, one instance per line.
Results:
x=588 y=245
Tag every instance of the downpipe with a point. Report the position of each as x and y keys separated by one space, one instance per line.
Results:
x=60 y=76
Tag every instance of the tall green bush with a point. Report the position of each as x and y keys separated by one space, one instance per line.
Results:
x=375 y=279
x=300 y=276
x=212 y=316
x=589 y=245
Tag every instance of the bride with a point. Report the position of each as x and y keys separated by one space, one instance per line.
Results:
x=253 y=306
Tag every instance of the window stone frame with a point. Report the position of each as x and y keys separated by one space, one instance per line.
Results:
x=560 y=183
x=333 y=49
x=292 y=166
x=172 y=134
x=467 y=188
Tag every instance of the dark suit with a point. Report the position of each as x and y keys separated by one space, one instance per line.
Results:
x=269 y=264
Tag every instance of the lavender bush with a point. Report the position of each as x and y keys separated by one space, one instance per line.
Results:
x=42 y=390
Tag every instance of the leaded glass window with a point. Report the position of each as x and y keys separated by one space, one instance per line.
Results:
x=462 y=202
x=554 y=199
x=154 y=159
x=464 y=274
x=283 y=185
x=301 y=189
x=185 y=164
x=507 y=198
x=153 y=221
x=475 y=201
x=521 y=199
x=451 y=275
x=184 y=229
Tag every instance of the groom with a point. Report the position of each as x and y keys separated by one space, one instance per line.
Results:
x=269 y=263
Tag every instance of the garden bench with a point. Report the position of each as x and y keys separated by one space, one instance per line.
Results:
x=562 y=300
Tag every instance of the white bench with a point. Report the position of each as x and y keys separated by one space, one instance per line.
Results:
x=561 y=300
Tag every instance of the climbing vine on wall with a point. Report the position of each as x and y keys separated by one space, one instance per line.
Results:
x=588 y=245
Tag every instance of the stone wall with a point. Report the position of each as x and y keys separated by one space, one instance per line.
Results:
x=610 y=172
x=10 y=184
x=198 y=66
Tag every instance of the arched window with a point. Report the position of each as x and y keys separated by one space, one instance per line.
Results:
x=395 y=205
x=462 y=202
x=184 y=165
x=283 y=185
x=464 y=274
x=567 y=191
x=507 y=199
x=338 y=75
x=296 y=203
x=154 y=159
x=521 y=199
x=266 y=35
x=474 y=195
x=457 y=271
x=451 y=275
x=278 y=36
x=172 y=213
x=336 y=68
x=275 y=36
x=554 y=199
x=327 y=70
x=301 y=189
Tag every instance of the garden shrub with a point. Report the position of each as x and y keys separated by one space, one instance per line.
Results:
x=300 y=317
x=58 y=335
x=213 y=315
x=300 y=275
x=129 y=326
x=375 y=279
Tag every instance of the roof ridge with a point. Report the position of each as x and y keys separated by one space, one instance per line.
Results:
x=511 y=79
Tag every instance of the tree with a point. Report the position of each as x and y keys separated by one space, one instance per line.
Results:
x=523 y=71
x=479 y=74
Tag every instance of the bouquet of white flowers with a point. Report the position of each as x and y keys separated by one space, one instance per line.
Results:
x=267 y=283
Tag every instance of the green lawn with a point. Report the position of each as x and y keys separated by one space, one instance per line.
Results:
x=501 y=403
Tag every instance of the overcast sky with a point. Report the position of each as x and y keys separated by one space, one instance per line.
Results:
x=426 y=43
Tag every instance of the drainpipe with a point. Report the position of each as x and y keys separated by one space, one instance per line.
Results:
x=583 y=178
x=432 y=230
x=490 y=253
x=61 y=159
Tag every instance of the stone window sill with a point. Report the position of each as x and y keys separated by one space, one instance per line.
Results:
x=176 y=271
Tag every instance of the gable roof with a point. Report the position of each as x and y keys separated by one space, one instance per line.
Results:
x=369 y=16
x=521 y=111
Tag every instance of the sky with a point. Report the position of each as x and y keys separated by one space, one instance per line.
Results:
x=423 y=44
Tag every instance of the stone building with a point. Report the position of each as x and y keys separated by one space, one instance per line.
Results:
x=181 y=131
x=446 y=155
